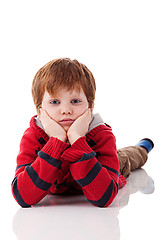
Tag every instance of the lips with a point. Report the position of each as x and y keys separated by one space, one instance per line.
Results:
x=66 y=121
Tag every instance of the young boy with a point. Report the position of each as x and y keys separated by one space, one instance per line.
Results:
x=67 y=147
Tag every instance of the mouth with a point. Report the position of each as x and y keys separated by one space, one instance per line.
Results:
x=66 y=121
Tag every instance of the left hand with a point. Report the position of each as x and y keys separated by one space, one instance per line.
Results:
x=80 y=126
x=51 y=127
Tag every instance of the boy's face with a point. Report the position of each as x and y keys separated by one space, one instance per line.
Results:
x=65 y=106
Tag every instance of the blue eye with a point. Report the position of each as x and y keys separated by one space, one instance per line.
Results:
x=75 y=101
x=54 y=102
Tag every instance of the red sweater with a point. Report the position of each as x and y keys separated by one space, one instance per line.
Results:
x=48 y=165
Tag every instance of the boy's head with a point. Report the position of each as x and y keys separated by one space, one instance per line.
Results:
x=63 y=73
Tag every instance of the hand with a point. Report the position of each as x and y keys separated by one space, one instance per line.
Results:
x=80 y=126
x=51 y=127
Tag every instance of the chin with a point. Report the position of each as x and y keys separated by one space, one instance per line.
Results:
x=66 y=128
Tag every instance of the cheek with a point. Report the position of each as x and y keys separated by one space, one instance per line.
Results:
x=52 y=114
x=81 y=110
x=50 y=110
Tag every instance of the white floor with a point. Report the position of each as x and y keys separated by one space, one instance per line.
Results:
x=134 y=214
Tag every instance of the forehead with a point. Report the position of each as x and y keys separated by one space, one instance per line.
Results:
x=64 y=92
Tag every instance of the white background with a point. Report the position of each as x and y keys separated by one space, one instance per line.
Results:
x=119 y=41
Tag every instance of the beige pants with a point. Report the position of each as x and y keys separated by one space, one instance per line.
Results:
x=131 y=158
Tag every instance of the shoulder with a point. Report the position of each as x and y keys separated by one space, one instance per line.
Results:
x=102 y=140
x=34 y=133
x=101 y=133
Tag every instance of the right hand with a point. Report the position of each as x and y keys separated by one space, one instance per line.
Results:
x=51 y=127
x=80 y=126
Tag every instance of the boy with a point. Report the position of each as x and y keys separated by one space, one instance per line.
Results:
x=67 y=148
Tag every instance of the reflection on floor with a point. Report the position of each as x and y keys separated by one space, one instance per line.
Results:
x=73 y=217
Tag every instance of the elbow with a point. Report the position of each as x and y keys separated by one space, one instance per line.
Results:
x=17 y=195
x=101 y=204
x=108 y=197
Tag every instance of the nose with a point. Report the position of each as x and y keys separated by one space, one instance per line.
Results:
x=66 y=110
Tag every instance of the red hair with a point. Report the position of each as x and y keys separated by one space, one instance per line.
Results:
x=63 y=72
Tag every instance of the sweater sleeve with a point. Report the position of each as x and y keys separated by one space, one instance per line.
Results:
x=96 y=171
x=36 y=170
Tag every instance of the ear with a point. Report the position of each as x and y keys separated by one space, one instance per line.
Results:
x=92 y=107
x=39 y=111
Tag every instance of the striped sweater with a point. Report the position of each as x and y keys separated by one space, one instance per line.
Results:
x=47 y=165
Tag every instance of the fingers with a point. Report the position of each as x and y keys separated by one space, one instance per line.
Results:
x=44 y=114
x=45 y=118
x=88 y=113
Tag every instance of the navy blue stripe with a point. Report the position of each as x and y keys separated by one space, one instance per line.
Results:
x=86 y=156
x=17 y=194
x=23 y=165
x=36 y=151
x=117 y=185
x=111 y=169
x=106 y=196
x=91 y=143
x=90 y=176
x=98 y=154
x=38 y=182
x=53 y=161
x=41 y=140
x=65 y=183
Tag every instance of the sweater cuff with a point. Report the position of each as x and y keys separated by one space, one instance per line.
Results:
x=76 y=150
x=54 y=147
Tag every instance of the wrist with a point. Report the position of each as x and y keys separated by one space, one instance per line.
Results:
x=61 y=138
x=73 y=138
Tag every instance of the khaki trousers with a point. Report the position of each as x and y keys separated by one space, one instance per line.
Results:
x=131 y=158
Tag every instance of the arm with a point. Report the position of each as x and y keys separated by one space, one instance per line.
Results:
x=35 y=174
x=97 y=172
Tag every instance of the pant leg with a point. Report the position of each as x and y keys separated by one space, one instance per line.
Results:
x=131 y=158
